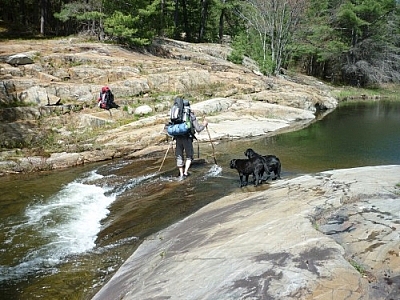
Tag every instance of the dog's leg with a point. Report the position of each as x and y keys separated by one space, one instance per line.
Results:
x=256 y=176
x=253 y=177
x=241 y=180
x=266 y=174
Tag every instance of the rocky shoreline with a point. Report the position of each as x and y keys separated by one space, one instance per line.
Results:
x=237 y=100
x=228 y=119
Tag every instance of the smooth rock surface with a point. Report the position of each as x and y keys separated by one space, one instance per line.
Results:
x=277 y=244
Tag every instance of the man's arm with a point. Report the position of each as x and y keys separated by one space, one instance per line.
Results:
x=197 y=126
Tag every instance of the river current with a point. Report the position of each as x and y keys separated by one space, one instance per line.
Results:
x=64 y=233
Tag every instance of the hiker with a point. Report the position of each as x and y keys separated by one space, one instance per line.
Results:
x=106 y=99
x=184 y=143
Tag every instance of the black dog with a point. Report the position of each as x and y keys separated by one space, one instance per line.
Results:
x=245 y=167
x=271 y=163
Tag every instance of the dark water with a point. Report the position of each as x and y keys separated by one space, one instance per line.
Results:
x=354 y=135
x=64 y=233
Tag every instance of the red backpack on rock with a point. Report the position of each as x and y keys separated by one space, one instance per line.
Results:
x=106 y=99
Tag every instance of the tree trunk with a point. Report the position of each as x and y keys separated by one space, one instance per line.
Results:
x=162 y=13
x=176 y=19
x=275 y=21
x=221 y=25
x=186 y=21
x=42 y=16
x=23 y=12
x=203 y=19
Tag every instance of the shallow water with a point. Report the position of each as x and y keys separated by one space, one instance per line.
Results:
x=63 y=233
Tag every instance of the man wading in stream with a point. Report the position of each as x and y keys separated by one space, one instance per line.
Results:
x=184 y=143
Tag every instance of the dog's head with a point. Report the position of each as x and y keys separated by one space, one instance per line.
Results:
x=233 y=164
x=249 y=153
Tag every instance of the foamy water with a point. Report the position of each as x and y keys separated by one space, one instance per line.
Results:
x=64 y=224
x=132 y=182
x=214 y=171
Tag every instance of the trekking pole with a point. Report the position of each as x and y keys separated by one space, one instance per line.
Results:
x=165 y=156
x=212 y=145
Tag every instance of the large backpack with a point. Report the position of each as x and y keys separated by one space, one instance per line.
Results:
x=106 y=100
x=180 y=123
x=177 y=111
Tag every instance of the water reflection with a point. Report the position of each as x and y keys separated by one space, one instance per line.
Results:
x=355 y=134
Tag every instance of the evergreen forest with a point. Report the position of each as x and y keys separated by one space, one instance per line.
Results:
x=351 y=42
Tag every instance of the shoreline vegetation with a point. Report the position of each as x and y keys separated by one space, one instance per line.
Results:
x=348 y=93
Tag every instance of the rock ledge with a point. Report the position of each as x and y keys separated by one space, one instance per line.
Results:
x=276 y=244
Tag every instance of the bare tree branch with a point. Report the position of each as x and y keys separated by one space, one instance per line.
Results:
x=275 y=22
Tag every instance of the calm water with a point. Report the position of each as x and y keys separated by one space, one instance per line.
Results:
x=64 y=233
x=355 y=134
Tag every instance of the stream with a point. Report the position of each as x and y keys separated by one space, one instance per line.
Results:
x=64 y=233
